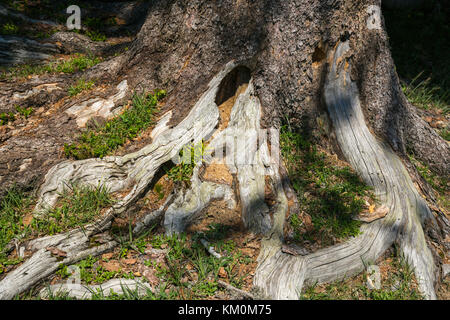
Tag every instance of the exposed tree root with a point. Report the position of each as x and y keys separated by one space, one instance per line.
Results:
x=135 y=170
x=116 y=286
x=282 y=276
x=279 y=275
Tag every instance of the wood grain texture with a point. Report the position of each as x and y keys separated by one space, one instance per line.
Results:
x=282 y=276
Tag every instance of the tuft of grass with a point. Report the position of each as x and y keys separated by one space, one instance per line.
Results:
x=421 y=60
x=78 y=206
x=24 y=112
x=96 y=36
x=13 y=207
x=6 y=117
x=9 y=29
x=330 y=194
x=184 y=170
x=445 y=133
x=425 y=95
x=99 y=142
x=80 y=86
x=439 y=183
x=77 y=62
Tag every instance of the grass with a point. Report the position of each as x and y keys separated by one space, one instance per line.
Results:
x=398 y=284
x=75 y=63
x=6 y=117
x=78 y=206
x=420 y=47
x=80 y=86
x=423 y=94
x=437 y=182
x=13 y=207
x=330 y=194
x=24 y=112
x=183 y=171
x=101 y=141
x=9 y=29
x=186 y=256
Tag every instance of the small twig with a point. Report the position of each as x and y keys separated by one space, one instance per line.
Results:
x=243 y=294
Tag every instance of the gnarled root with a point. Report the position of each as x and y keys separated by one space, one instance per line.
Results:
x=282 y=276
x=279 y=275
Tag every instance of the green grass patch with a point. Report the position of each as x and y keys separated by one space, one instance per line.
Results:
x=439 y=183
x=6 y=117
x=75 y=63
x=78 y=206
x=183 y=250
x=24 y=112
x=13 y=207
x=420 y=47
x=80 y=86
x=9 y=29
x=99 y=142
x=445 y=133
x=423 y=94
x=330 y=194
x=183 y=171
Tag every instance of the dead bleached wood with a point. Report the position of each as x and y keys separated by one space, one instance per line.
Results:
x=137 y=169
x=42 y=264
x=282 y=276
x=115 y=286
x=134 y=170
x=244 y=157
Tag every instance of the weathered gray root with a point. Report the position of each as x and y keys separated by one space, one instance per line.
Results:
x=42 y=264
x=115 y=286
x=244 y=158
x=18 y=50
x=279 y=275
x=135 y=170
x=282 y=276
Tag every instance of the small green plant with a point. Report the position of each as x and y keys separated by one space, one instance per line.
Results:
x=398 y=285
x=77 y=62
x=445 y=133
x=190 y=155
x=423 y=94
x=9 y=29
x=158 y=190
x=99 y=142
x=5 y=118
x=96 y=36
x=80 y=86
x=13 y=207
x=24 y=112
x=63 y=271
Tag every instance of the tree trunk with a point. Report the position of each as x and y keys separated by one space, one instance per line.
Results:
x=278 y=59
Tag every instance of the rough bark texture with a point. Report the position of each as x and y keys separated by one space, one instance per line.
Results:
x=304 y=58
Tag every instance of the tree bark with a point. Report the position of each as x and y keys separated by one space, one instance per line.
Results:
x=296 y=60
